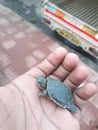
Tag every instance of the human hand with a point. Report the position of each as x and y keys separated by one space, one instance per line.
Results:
x=30 y=111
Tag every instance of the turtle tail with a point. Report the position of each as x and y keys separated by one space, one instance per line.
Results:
x=73 y=108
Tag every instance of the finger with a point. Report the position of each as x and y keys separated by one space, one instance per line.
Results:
x=79 y=102
x=68 y=65
x=76 y=77
x=49 y=64
x=86 y=91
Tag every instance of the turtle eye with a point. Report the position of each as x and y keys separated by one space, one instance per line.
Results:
x=43 y=86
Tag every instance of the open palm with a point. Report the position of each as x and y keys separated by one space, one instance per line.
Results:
x=31 y=112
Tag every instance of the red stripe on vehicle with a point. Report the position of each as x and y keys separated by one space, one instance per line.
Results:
x=71 y=24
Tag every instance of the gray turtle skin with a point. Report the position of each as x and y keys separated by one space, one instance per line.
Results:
x=57 y=91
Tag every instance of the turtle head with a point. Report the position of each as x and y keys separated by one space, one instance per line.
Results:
x=42 y=82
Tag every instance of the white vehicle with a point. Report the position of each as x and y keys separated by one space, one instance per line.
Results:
x=75 y=20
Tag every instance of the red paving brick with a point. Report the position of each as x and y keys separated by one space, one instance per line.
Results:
x=22 y=46
x=3 y=79
x=4 y=59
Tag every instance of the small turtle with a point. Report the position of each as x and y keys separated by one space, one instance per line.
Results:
x=57 y=92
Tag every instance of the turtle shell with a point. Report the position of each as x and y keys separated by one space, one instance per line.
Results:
x=60 y=94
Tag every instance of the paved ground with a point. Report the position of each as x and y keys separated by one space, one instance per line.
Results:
x=20 y=50
x=22 y=45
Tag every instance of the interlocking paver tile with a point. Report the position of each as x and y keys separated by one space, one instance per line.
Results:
x=30 y=61
x=53 y=46
x=9 y=44
x=2 y=34
x=4 y=59
x=39 y=54
x=3 y=21
x=19 y=35
x=3 y=79
x=30 y=29
x=11 y=30
x=10 y=73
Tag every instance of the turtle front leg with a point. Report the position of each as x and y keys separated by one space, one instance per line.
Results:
x=44 y=93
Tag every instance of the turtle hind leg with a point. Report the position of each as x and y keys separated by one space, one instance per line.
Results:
x=44 y=93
